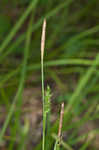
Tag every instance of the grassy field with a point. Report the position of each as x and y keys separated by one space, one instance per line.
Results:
x=71 y=62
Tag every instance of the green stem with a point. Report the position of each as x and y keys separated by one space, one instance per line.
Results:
x=44 y=116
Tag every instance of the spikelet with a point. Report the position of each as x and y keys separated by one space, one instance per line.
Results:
x=43 y=39
x=47 y=100
x=61 y=120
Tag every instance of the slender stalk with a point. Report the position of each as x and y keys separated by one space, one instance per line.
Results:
x=42 y=76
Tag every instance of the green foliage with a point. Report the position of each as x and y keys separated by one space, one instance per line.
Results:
x=5 y=25
x=71 y=66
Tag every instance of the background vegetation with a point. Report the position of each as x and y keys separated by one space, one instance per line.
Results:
x=71 y=69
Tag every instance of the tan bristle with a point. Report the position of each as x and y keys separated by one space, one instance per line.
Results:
x=43 y=39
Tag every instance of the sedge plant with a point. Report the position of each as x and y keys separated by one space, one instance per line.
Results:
x=46 y=95
x=42 y=78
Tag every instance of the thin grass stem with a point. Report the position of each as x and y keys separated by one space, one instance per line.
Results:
x=42 y=79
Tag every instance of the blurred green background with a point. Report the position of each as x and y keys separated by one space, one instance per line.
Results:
x=71 y=65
